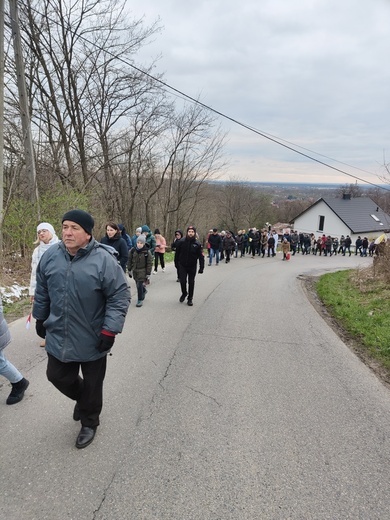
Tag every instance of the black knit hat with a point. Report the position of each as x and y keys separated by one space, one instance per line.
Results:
x=82 y=218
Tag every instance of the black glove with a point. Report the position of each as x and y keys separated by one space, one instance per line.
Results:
x=200 y=271
x=130 y=275
x=105 y=343
x=41 y=331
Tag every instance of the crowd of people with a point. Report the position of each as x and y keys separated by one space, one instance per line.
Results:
x=80 y=292
x=226 y=244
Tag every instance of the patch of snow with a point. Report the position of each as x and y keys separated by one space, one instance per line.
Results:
x=13 y=293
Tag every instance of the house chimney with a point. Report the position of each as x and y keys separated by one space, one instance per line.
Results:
x=346 y=196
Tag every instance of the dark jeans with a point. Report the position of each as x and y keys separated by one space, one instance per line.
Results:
x=140 y=289
x=158 y=256
x=184 y=273
x=88 y=392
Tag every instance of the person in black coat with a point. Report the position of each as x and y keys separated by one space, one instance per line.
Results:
x=189 y=251
x=113 y=238
x=178 y=236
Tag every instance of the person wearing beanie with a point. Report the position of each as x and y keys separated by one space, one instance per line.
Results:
x=46 y=237
x=7 y=369
x=80 y=305
x=139 y=267
x=113 y=238
x=159 y=251
x=178 y=236
x=138 y=232
x=150 y=239
x=189 y=251
x=80 y=217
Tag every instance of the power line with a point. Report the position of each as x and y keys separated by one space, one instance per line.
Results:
x=178 y=92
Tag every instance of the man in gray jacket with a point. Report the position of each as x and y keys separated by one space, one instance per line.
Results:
x=80 y=304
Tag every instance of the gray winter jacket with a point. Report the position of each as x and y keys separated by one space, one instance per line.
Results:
x=5 y=336
x=78 y=298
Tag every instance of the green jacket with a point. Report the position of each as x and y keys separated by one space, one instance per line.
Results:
x=140 y=263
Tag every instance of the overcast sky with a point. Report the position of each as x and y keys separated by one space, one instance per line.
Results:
x=314 y=73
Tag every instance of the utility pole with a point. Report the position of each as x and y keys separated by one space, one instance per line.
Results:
x=23 y=104
x=1 y=122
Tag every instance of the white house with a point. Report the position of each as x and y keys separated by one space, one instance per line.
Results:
x=343 y=216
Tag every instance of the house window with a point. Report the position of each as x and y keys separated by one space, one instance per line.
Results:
x=321 y=223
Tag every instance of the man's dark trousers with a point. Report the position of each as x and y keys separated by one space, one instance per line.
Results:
x=88 y=392
x=189 y=272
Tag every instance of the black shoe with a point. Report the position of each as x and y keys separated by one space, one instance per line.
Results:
x=182 y=298
x=85 y=437
x=76 y=412
x=190 y=303
x=17 y=392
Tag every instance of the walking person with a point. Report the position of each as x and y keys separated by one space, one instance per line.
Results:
x=159 y=251
x=263 y=243
x=113 y=238
x=228 y=245
x=150 y=239
x=215 y=242
x=285 y=248
x=81 y=302
x=271 y=245
x=140 y=266
x=189 y=251
x=178 y=236
x=46 y=237
x=347 y=246
x=7 y=369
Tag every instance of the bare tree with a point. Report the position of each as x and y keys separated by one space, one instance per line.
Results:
x=191 y=155
x=352 y=189
x=82 y=85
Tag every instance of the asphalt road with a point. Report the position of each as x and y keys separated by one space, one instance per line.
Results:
x=244 y=406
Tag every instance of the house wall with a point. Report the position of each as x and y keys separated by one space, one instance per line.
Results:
x=309 y=222
x=333 y=226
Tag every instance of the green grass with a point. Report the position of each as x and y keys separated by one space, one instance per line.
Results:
x=362 y=307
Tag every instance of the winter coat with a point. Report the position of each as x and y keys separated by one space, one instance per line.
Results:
x=140 y=263
x=150 y=238
x=161 y=244
x=189 y=251
x=285 y=246
x=5 y=335
x=215 y=241
x=120 y=245
x=271 y=242
x=228 y=243
x=36 y=256
x=254 y=238
x=240 y=241
x=77 y=297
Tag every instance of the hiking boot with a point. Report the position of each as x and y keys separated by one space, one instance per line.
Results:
x=17 y=391
x=189 y=302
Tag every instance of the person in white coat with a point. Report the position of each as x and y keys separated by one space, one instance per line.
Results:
x=46 y=237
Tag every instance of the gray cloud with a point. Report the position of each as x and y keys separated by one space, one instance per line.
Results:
x=313 y=72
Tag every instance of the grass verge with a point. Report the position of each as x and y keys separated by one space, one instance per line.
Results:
x=361 y=306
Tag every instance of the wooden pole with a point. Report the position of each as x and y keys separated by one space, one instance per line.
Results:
x=1 y=123
x=23 y=103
